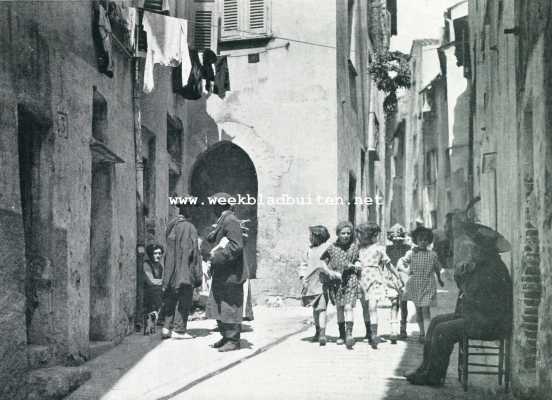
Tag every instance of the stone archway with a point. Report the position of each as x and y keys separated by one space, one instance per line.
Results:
x=226 y=167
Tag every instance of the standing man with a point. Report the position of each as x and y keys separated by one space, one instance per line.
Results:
x=182 y=272
x=395 y=251
x=229 y=272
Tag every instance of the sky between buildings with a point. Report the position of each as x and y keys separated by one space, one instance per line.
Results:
x=419 y=19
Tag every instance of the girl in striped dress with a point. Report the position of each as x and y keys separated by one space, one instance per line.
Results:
x=421 y=288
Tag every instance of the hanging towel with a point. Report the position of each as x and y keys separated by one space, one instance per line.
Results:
x=167 y=45
x=222 y=77
x=103 y=39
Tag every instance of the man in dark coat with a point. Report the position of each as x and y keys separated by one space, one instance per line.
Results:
x=229 y=272
x=484 y=305
x=182 y=272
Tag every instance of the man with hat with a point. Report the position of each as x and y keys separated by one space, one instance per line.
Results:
x=229 y=272
x=182 y=272
x=484 y=305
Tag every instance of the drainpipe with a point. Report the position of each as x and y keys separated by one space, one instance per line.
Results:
x=139 y=165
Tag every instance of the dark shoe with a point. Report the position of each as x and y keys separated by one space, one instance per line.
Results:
x=219 y=343
x=373 y=344
x=316 y=335
x=341 y=326
x=416 y=379
x=322 y=340
x=403 y=334
x=229 y=346
x=349 y=340
x=368 y=337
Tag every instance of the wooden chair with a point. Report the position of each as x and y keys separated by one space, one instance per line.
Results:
x=499 y=348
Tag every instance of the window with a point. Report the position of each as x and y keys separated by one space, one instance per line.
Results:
x=352 y=85
x=431 y=167
x=447 y=163
x=158 y=6
x=244 y=19
x=174 y=138
x=202 y=26
x=202 y=29
x=99 y=116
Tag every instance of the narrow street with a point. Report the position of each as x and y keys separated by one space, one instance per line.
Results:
x=277 y=361
x=299 y=369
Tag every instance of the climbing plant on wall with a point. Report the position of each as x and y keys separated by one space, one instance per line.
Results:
x=391 y=71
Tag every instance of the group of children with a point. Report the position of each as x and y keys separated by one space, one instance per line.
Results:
x=356 y=267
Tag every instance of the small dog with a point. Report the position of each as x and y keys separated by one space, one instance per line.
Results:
x=150 y=322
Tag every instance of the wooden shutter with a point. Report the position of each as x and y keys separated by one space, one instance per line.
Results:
x=257 y=16
x=230 y=18
x=203 y=20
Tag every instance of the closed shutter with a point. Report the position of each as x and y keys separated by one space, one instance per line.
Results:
x=230 y=18
x=153 y=5
x=257 y=16
x=203 y=20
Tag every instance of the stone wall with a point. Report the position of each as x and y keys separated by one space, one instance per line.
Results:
x=48 y=72
x=513 y=103
x=282 y=113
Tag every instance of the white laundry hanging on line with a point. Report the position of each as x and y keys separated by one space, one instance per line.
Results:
x=167 y=45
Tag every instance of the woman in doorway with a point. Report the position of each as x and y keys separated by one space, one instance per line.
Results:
x=153 y=278
x=340 y=258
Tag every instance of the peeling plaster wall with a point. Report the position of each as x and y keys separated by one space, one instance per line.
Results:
x=282 y=113
x=48 y=65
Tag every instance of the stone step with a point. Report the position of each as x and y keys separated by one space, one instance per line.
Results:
x=40 y=356
x=99 y=347
x=54 y=383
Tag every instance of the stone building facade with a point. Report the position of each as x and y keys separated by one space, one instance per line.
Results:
x=428 y=136
x=68 y=219
x=302 y=113
x=88 y=160
x=511 y=75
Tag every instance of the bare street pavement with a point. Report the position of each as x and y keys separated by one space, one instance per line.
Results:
x=277 y=361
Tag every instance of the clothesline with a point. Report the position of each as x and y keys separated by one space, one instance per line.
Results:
x=277 y=37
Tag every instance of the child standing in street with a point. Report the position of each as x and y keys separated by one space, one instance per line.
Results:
x=314 y=292
x=421 y=288
x=376 y=270
x=395 y=251
x=341 y=258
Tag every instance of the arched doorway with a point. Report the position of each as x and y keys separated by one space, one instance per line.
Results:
x=225 y=167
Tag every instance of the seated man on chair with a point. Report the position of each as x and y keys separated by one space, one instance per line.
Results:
x=484 y=305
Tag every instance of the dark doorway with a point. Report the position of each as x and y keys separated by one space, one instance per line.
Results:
x=34 y=180
x=101 y=215
x=225 y=167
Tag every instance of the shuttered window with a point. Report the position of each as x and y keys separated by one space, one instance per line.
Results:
x=245 y=19
x=153 y=5
x=230 y=16
x=202 y=29
x=256 y=14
